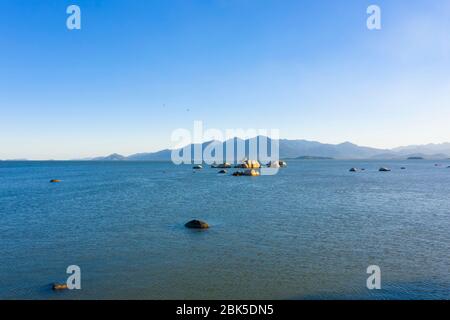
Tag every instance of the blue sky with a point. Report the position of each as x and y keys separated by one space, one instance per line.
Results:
x=137 y=70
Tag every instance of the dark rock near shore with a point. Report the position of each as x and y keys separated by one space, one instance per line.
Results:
x=196 y=224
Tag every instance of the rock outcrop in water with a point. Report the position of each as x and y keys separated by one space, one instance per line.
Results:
x=196 y=224
x=249 y=164
x=282 y=163
x=277 y=164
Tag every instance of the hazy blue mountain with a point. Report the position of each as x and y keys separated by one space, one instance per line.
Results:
x=402 y=156
x=346 y=150
x=305 y=149
x=111 y=157
x=427 y=149
x=162 y=155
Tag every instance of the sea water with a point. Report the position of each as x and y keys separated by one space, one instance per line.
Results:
x=309 y=232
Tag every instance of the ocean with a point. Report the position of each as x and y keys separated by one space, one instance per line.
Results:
x=309 y=232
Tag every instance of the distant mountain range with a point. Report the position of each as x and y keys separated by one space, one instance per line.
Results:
x=303 y=149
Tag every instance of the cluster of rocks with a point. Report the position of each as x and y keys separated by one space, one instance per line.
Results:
x=251 y=166
x=382 y=169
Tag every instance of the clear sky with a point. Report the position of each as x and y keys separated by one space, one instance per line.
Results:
x=137 y=70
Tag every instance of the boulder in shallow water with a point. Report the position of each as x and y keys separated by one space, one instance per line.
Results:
x=196 y=224
x=249 y=164
x=248 y=172
x=251 y=173
x=274 y=164
x=59 y=286
x=224 y=165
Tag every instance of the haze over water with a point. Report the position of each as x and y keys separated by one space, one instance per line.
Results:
x=310 y=231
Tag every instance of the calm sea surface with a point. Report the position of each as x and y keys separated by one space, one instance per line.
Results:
x=309 y=232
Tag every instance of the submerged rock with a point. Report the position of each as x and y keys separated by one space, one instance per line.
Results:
x=196 y=224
